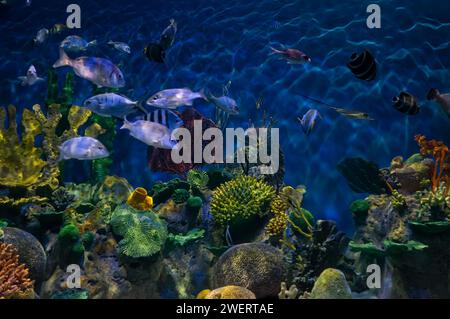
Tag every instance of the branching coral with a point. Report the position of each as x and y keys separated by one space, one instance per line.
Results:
x=241 y=198
x=287 y=210
x=24 y=165
x=441 y=154
x=14 y=277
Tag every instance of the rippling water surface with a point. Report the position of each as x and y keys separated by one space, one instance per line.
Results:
x=221 y=41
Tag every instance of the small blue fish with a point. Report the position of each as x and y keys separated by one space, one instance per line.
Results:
x=75 y=44
x=111 y=104
x=224 y=103
x=99 y=71
x=82 y=148
x=120 y=46
x=173 y=98
x=308 y=121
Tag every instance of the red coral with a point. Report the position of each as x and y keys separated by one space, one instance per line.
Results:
x=441 y=154
x=14 y=277
x=160 y=160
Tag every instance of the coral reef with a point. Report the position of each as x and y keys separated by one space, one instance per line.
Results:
x=230 y=292
x=139 y=199
x=257 y=266
x=331 y=284
x=241 y=199
x=144 y=234
x=14 y=277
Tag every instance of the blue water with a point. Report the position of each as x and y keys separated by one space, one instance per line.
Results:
x=219 y=41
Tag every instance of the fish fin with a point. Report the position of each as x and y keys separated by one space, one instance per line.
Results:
x=432 y=93
x=92 y=43
x=126 y=123
x=63 y=60
x=23 y=80
x=203 y=94
x=179 y=122
x=110 y=42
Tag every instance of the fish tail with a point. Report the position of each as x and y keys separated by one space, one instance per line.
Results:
x=432 y=93
x=126 y=123
x=203 y=94
x=274 y=51
x=63 y=60
x=93 y=43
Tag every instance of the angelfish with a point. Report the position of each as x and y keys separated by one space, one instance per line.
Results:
x=31 y=77
x=82 y=148
x=99 y=71
x=309 y=120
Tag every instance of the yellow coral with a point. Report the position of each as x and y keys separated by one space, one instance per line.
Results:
x=139 y=199
x=202 y=294
x=277 y=224
x=21 y=163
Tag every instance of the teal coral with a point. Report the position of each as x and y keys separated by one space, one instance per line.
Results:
x=183 y=240
x=144 y=234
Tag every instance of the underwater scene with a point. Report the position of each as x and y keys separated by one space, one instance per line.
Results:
x=212 y=149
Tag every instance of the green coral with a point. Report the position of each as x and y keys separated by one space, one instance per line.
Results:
x=198 y=178
x=161 y=192
x=183 y=240
x=193 y=205
x=360 y=207
x=144 y=234
x=398 y=201
x=180 y=196
x=240 y=199
x=72 y=247
x=430 y=227
x=71 y=294
x=391 y=248
x=331 y=284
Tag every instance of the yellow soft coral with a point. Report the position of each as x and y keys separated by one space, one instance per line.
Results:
x=139 y=199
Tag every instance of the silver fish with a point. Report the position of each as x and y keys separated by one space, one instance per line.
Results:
x=31 y=78
x=41 y=36
x=168 y=35
x=151 y=133
x=224 y=103
x=75 y=44
x=173 y=98
x=120 y=46
x=82 y=148
x=110 y=104
x=99 y=71
x=309 y=120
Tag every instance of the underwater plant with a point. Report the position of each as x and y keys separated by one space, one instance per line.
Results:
x=144 y=234
x=287 y=211
x=72 y=250
x=14 y=277
x=240 y=199
x=441 y=155
x=182 y=240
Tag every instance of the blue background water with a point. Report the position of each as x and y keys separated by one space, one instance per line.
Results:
x=219 y=41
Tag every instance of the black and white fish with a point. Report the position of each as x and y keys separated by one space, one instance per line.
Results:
x=406 y=103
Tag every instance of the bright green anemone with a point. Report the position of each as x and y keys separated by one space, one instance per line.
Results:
x=144 y=234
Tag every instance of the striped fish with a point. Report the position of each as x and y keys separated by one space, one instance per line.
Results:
x=406 y=103
x=166 y=118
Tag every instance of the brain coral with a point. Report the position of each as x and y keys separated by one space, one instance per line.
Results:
x=257 y=266
x=230 y=292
